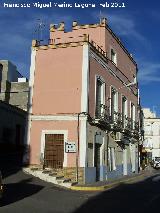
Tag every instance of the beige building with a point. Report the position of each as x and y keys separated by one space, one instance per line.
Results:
x=13 y=106
x=13 y=86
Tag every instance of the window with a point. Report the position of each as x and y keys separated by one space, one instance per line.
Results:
x=124 y=111
x=133 y=116
x=100 y=96
x=113 y=56
x=114 y=103
x=134 y=79
x=111 y=158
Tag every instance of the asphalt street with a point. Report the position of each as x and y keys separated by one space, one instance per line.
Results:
x=26 y=194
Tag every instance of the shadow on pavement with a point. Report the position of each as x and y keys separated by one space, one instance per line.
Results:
x=17 y=191
x=141 y=197
x=10 y=163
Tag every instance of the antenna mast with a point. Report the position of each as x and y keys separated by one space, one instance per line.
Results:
x=39 y=29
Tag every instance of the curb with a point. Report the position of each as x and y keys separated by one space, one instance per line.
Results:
x=107 y=186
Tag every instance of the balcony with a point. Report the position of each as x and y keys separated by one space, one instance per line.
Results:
x=126 y=125
x=102 y=116
x=135 y=130
x=130 y=127
x=116 y=121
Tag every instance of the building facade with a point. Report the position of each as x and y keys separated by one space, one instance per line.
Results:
x=151 y=142
x=12 y=125
x=13 y=107
x=14 y=87
x=83 y=115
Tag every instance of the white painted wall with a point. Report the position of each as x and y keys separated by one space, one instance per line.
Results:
x=152 y=135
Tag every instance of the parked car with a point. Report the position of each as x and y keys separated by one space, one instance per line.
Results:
x=156 y=162
x=1 y=185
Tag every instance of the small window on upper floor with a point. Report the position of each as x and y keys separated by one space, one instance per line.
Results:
x=135 y=79
x=113 y=56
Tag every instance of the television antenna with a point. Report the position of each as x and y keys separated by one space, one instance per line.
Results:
x=40 y=25
x=100 y=16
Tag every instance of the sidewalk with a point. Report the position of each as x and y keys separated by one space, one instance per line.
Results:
x=103 y=185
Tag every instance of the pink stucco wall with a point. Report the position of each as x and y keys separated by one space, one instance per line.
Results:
x=96 y=34
x=35 y=138
x=110 y=80
x=124 y=63
x=106 y=40
x=57 y=81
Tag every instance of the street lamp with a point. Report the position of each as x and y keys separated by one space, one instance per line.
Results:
x=131 y=84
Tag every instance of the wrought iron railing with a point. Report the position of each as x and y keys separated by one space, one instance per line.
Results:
x=136 y=126
x=116 y=119
x=127 y=124
x=102 y=113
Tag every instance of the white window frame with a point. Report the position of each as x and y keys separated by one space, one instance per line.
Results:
x=116 y=98
x=134 y=113
x=103 y=91
x=126 y=108
x=115 y=55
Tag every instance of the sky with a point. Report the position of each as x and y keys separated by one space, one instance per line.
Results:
x=135 y=22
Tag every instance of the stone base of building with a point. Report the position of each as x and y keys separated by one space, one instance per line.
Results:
x=85 y=175
x=66 y=172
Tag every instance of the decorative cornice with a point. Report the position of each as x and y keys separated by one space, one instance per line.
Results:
x=62 y=45
x=66 y=117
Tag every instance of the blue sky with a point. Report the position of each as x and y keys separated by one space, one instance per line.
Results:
x=137 y=25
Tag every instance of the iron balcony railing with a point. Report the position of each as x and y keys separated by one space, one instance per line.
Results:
x=130 y=125
x=116 y=119
x=103 y=113
x=136 y=126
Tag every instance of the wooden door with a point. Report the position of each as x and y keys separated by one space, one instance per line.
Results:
x=54 y=151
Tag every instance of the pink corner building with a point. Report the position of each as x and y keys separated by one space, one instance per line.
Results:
x=83 y=116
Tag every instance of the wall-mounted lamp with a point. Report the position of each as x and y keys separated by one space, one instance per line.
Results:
x=131 y=84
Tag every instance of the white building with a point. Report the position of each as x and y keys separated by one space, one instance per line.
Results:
x=151 y=134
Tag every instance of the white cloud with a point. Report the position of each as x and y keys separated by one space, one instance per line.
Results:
x=125 y=26
x=149 y=72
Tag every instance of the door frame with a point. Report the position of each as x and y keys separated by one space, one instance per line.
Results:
x=101 y=163
x=44 y=132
